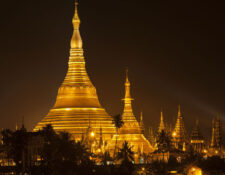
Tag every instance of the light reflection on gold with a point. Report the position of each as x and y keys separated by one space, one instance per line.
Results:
x=174 y=134
x=77 y=105
x=92 y=134
x=195 y=171
x=131 y=130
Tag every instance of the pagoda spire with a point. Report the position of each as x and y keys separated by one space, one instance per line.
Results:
x=217 y=132
x=77 y=104
x=179 y=111
x=142 y=126
x=130 y=123
x=197 y=139
x=151 y=137
x=161 y=125
x=17 y=126
x=131 y=130
x=76 y=41
x=77 y=89
x=127 y=89
x=212 y=144
x=196 y=134
x=128 y=111
x=179 y=131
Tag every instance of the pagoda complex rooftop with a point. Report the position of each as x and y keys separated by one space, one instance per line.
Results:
x=77 y=106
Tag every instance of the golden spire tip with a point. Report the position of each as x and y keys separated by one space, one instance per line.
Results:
x=141 y=116
x=179 y=111
x=127 y=79
x=76 y=3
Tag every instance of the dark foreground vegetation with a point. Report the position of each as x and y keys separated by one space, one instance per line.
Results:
x=49 y=153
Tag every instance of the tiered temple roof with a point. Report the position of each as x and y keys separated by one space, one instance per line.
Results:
x=131 y=131
x=141 y=123
x=77 y=100
x=196 y=134
x=179 y=134
x=216 y=139
x=151 y=137
x=161 y=124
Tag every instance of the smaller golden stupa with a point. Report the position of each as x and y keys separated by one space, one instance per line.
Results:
x=131 y=130
x=179 y=133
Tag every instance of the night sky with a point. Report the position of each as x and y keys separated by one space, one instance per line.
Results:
x=174 y=51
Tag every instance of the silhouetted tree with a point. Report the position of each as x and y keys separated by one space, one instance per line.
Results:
x=62 y=155
x=125 y=154
x=164 y=142
x=59 y=153
x=15 y=145
x=118 y=122
x=105 y=158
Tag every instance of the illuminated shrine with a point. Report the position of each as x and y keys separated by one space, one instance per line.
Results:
x=77 y=105
x=131 y=130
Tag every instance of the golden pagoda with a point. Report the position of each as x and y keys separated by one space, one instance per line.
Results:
x=131 y=130
x=141 y=123
x=197 y=140
x=216 y=139
x=151 y=137
x=179 y=133
x=161 y=124
x=77 y=105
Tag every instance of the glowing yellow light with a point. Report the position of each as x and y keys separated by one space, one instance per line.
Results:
x=205 y=151
x=216 y=152
x=195 y=171
x=92 y=134
x=173 y=172
x=174 y=134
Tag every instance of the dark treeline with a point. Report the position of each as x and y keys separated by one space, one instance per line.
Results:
x=49 y=153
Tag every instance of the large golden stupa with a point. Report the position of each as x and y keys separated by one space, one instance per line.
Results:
x=131 y=129
x=77 y=106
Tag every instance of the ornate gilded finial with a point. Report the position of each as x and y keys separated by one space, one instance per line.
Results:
x=212 y=144
x=76 y=13
x=179 y=111
x=76 y=42
x=141 y=123
x=161 y=124
x=16 y=126
x=76 y=3
x=127 y=87
x=161 y=117
x=179 y=131
x=127 y=79
x=141 y=116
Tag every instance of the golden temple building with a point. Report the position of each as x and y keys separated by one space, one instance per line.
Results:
x=131 y=130
x=77 y=105
x=141 y=122
x=197 y=140
x=179 y=133
x=161 y=124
